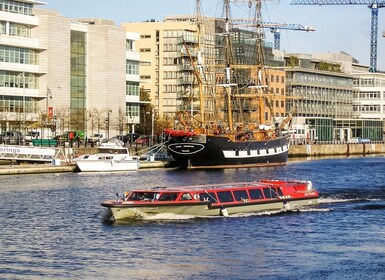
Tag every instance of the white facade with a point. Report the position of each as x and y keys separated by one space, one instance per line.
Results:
x=20 y=90
x=80 y=75
x=369 y=98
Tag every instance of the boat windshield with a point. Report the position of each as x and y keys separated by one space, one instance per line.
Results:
x=143 y=196
x=112 y=151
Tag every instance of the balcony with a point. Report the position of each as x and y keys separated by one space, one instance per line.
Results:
x=188 y=108
x=188 y=39
x=185 y=67
x=186 y=95
x=189 y=80
x=189 y=52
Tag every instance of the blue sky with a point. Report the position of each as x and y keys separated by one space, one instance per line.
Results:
x=338 y=28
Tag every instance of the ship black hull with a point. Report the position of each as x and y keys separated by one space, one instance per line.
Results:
x=211 y=151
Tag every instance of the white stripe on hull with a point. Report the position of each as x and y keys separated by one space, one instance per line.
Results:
x=256 y=153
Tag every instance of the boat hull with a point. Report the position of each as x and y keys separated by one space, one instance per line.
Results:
x=211 y=151
x=87 y=165
x=121 y=211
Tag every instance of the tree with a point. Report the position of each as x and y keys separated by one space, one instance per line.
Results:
x=146 y=109
x=120 y=121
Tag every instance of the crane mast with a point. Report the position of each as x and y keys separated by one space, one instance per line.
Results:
x=374 y=5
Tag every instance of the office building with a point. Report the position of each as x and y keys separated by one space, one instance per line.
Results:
x=70 y=75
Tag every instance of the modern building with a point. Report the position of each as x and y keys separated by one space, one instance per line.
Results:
x=318 y=88
x=70 y=75
x=368 y=88
x=336 y=97
x=21 y=92
x=369 y=96
x=171 y=51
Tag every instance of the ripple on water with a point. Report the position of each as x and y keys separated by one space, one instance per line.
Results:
x=52 y=226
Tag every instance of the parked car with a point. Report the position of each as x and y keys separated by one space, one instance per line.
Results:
x=12 y=138
x=128 y=138
x=359 y=140
x=131 y=137
x=31 y=135
x=97 y=137
x=143 y=139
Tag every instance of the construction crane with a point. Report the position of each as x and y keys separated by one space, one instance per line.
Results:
x=374 y=5
x=276 y=28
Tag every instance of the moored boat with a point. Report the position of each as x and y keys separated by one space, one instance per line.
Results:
x=214 y=200
x=111 y=156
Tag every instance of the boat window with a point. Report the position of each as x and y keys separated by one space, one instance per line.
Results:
x=168 y=196
x=225 y=196
x=186 y=196
x=240 y=195
x=280 y=193
x=208 y=197
x=270 y=192
x=255 y=194
x=142 y=196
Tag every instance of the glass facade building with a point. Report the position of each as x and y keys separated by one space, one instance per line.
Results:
x=78 y=81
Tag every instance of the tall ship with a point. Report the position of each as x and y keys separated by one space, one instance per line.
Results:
x=230 y=136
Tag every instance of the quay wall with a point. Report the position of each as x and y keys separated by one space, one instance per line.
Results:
x=336 y=149
x=300 y=150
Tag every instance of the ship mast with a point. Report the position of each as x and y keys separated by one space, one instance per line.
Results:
x=200 y=63
x=228 y=61
x=260 y=52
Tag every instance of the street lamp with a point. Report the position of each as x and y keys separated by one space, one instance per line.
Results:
x=22 y=74
x=108 y=123
x=151 y=142
x=152 y=126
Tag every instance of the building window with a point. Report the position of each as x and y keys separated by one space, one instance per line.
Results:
x=78 y=80
x=132 y=67
x=132 y=110
x=14 y=80
x=129 y=45
x=18 y=55
x=21 y=30
x=16 y=7
x=145 y=50
x=132 y=89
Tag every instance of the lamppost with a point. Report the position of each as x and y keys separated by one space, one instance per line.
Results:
x=151 y=142
x=22 y=74
x=108 y=123
x=152 y=125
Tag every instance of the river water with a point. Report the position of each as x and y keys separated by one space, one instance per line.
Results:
x=52 y=226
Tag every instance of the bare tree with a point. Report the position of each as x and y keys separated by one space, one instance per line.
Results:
x=121 y=121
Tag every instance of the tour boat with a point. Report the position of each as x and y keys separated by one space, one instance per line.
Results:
x=214 y=200
x=111 y=156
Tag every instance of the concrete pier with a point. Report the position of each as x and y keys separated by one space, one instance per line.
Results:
x=336 y=149
x=10 y=169
x=295 y=151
